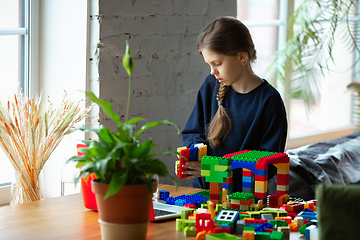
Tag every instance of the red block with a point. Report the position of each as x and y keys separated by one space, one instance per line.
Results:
x=256 y=221
x=185 y=153
x=228 y=180
x=230 y=155
x=276 y=158
x=182 y=168
x=260 y=195
x=283 y=179
x=261 y=165
x=247 y=173
x=235 y=206
x=214 y=197
x=261 y=178
x=204 y=222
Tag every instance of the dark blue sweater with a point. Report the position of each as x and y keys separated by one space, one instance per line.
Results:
x=258 y=121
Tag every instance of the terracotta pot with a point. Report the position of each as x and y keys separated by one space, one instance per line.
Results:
x=131 y=205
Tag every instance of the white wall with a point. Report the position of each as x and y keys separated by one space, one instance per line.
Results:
x=168 y=70
x=62 y=66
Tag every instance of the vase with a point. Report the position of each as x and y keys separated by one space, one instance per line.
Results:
x=124 y=215
x=26 y=187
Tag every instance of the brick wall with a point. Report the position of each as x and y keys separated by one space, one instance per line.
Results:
x=168 y=70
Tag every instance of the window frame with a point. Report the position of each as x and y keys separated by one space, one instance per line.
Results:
x=286 y=10
x=30 y=68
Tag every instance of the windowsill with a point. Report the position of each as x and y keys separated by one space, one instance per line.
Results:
x=5 y=194
x=302 y=140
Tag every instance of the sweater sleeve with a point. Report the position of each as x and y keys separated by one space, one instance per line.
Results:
x=274 y=131
x=194 y=131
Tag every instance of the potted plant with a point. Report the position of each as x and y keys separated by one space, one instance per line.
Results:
x=124 y=166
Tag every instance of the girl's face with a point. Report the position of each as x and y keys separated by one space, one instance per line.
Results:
x=227 y=69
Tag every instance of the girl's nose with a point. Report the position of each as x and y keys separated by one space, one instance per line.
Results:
x=213 y=71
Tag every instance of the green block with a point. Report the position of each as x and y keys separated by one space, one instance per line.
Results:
x=262 y=235
x=242 y=216
x=205 y=173
x=225 y=162
x=303 y=227
x=220 y=168
x=182 y=223
x=249 y=228
x=241 y=196
x=254 y=214
x=278 y=223
x=190 y=231
x=210 y=160
x=205 y=166
x=275 y=235
x=215 y=179
x=221 y=236
x=186 y=213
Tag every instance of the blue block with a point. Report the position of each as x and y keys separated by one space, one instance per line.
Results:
x=163 y=195
x=179 y=202
x=194 y=154
x=248 y=179
x=247 y=185
x=308 y=215
x=263 y=226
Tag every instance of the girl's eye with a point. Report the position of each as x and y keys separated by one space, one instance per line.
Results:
x=217 y=64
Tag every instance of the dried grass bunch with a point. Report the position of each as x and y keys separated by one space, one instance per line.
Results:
x=29 y=134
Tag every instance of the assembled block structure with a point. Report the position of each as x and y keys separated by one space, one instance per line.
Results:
x=218 y=171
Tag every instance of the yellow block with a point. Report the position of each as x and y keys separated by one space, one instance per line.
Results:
x=202 y=150
x=179 y=149
x=282 y=171
x=282 y=187
x=205 y=173
x=282 y=165
x=261 y=189
x=220 y=168
x=263 y=184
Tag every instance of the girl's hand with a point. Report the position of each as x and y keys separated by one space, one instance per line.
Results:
x=196 y=169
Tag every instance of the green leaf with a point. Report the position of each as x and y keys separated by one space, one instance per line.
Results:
x=117 y=181
x=105 y=106
x=134 y=120
x=154 y=124
x=128 y=62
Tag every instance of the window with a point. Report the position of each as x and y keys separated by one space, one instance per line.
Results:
x=331 y=116
x=14 y=42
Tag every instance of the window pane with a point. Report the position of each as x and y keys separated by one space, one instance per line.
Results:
x=265 y=40
x=9 y=65
x=257 y=10
x=9 y=14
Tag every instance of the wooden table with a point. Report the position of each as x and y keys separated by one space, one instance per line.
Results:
x=67 y=218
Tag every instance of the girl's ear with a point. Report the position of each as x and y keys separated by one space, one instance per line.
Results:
x=243 y=57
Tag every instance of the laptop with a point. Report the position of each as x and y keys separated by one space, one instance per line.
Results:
x=166 y=211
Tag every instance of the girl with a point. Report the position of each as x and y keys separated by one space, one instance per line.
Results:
x=235 y=109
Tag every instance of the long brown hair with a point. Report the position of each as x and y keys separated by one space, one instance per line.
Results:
x=228 y=36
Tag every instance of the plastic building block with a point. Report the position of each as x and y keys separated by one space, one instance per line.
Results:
x=186 y=213
x=262 y=235
x=222 y=236
x=308 y=215
x=195 y=199
x=190 y=231
x=163 y=195
x=248 y=235
x=182 y=223
x=286 y=231
x=277 y=235
x=227 y=216
x=204 y=222
x=267 y=216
